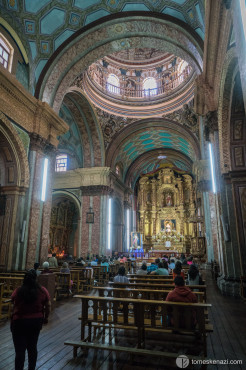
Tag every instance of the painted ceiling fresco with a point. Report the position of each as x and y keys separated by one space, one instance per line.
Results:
x=150 y=139
x=47 y=24
x=153 y=163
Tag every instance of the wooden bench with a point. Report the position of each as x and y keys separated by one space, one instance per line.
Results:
x=173 y=321
x=10 y=284
x=63 y=284
x=5 y=304
x=148 y=294
x=199 y=288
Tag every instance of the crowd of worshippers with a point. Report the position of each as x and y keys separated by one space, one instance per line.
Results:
x=31 y=301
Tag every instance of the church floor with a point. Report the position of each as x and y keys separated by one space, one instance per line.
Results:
x=228 y=341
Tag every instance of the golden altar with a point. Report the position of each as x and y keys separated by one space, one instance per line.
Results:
x=167 y=204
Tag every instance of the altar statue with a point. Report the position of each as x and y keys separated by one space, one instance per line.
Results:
x=168 y=200
x=168 y=227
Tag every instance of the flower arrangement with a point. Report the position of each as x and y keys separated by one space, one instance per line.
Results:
x=164 y=235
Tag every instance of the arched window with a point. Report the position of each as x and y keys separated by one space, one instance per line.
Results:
x=150 y=86
x=61 y=163
x=113 y=84
x=6 y=53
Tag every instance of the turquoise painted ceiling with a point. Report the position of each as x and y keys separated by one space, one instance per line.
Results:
x=148 y=140
x=153 y=164
x=47 y=24
x=71 y=140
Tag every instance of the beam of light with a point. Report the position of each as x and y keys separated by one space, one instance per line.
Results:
x=212 y=167
x=45 y=171
x=128 y=229
x=243 y=14
x=109 y=222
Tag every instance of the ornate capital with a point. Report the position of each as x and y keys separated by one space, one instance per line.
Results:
x=227 y=4
x=38 y=143
x=211 y=123
x=96 y=190
x=127 y=205
x=204 y=186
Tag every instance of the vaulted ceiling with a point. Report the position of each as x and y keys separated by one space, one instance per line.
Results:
x=47 y=24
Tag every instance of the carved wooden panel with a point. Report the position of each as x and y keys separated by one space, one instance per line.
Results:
x=239 y=156
x=238 y=128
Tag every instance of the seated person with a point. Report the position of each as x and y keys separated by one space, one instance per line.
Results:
x=162 y=269
x=53 y=261
x=121 y=277
x=194 y=277
x=46 y=269
x=65 y=269
x=177 y=271
x=94 y=263
x=142 y=270
x=181 y=293
x=190 y=260
x=36 y=266
x=171 y=265
x=105 y=263
x=153 y=266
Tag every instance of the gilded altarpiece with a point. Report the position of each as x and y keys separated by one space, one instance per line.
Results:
x=61 y=226
x=166 y=205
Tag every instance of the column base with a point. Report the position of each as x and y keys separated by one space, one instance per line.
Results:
x=229 y=286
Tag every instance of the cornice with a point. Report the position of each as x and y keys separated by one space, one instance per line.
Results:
x=28 y=112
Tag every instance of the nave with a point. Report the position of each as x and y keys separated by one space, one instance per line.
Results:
x=228 y=340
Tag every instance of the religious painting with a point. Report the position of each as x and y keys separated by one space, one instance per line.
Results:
x=167 y=200
x=168 y=225
x=136 y=240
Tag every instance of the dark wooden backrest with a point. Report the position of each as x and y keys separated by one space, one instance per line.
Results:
x=200 y=288
x=144 y=313
x=63 y=279
x=10 y=284
x=148 y=294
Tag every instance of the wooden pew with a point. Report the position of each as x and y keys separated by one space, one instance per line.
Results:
x=10 y=284
x=174 y=322
x=63 y=283
x=149 y=294
x=200 y=288
x=5 y=304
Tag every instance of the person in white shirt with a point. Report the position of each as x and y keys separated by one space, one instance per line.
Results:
x=121 y=277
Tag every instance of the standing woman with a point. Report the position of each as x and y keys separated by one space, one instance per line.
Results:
x=31 y=310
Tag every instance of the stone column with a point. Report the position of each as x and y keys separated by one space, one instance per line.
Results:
x=38 y=212
x=94 y=236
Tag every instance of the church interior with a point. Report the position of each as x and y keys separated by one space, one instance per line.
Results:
x=123 y=132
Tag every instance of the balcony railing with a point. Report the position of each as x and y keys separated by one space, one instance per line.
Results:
x=135 y=92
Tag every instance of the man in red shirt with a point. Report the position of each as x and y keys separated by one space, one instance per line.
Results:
x=181 y=293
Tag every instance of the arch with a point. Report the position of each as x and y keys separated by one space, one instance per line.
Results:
x=224 y=108
x=18 y=155
x=90 y=130
x=149 y=134
x=65 y=216
x=148 y=162
x=123 y=31
x=16 y=37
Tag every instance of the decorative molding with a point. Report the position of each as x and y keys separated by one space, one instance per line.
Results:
x=186 y=117
x=94 y=190
x=111 y=124
x=211 y=123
